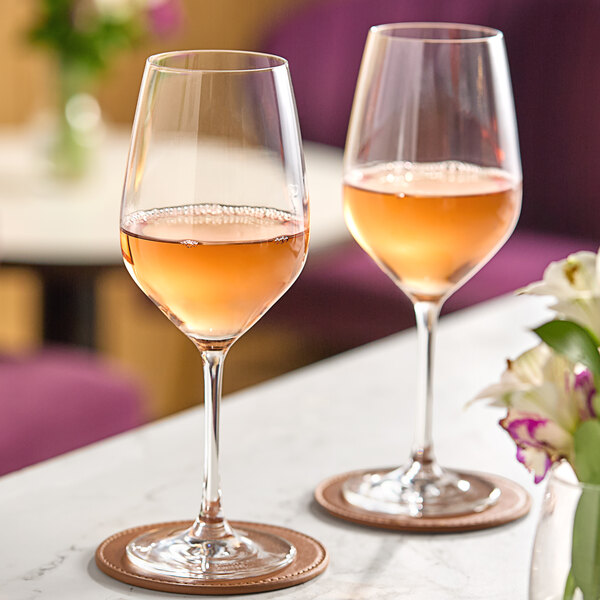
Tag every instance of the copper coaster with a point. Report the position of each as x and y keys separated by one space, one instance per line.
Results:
x=514 y=503
x=311 y=560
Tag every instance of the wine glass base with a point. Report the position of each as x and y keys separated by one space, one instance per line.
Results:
x=419 y=492
x=240 y=555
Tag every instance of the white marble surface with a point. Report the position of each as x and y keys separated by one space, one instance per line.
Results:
x=278 y=440
x=44 y=220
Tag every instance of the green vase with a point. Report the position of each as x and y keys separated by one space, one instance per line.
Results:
x=78 y=123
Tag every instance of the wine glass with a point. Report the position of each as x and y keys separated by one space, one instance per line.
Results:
x=214 y=229
x=432 y=189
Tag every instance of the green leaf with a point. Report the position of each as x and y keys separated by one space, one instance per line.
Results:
x=587 y=451
x=570 y=587
x=573 y=342
x=596 y=401
x=585 y=554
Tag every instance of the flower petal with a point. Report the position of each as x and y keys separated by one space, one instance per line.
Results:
x=568 y=278
x=530 y=430
x=584 y=381
x=585 y=312
x=523 y=429
x=521 y=374
x=541 y=383
x=536 y=461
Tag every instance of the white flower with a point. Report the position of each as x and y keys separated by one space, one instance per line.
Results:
x=575 y=283
x=120 y=10
x=546 y=399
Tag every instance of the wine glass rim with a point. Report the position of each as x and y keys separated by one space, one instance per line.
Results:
x=154 y=61
x=487 y=33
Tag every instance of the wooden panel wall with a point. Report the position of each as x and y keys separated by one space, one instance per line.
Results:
x=20 y=310
x=26 y=82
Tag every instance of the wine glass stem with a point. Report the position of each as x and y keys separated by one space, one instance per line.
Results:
x=427 y=317
x=211 y=523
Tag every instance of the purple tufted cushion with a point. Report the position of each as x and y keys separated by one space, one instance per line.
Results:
x=58 y=400
x=324 y=42
x=345 y=300
x=554 y=53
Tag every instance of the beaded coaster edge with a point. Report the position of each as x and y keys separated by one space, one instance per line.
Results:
x=514 y=503
x=311 y=560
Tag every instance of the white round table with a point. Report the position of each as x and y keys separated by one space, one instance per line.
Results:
x=47 y=221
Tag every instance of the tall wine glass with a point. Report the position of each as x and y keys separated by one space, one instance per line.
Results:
x=214 y=229
x=432 y=189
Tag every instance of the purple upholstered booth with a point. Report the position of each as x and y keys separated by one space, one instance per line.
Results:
x=60 y=399
x=554 y=54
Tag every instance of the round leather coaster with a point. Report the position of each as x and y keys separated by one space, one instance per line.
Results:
x=514 y=503
x=311 y=560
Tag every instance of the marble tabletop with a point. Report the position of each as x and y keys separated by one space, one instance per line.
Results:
x=278 y=441
x=49 y=221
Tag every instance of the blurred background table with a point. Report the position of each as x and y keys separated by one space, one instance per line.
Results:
x=62 y=222
x=278 y=441
x=68 y=230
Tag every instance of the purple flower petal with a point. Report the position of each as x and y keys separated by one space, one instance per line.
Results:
x=521 y=456
x=523 y=430
x=585 y=382
x=539 y=473
x=537 y=478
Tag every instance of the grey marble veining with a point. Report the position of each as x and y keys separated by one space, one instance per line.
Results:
x=278 y=441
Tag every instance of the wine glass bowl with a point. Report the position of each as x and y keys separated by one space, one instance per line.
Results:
x=214 y=229
x=432 y=190
x=430 y=226
x=233 y=283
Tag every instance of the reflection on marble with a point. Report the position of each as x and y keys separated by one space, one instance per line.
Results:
x=278 y=440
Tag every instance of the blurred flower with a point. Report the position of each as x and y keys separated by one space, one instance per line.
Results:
x=84 y=36
x=164 y=16
x=87 y=33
